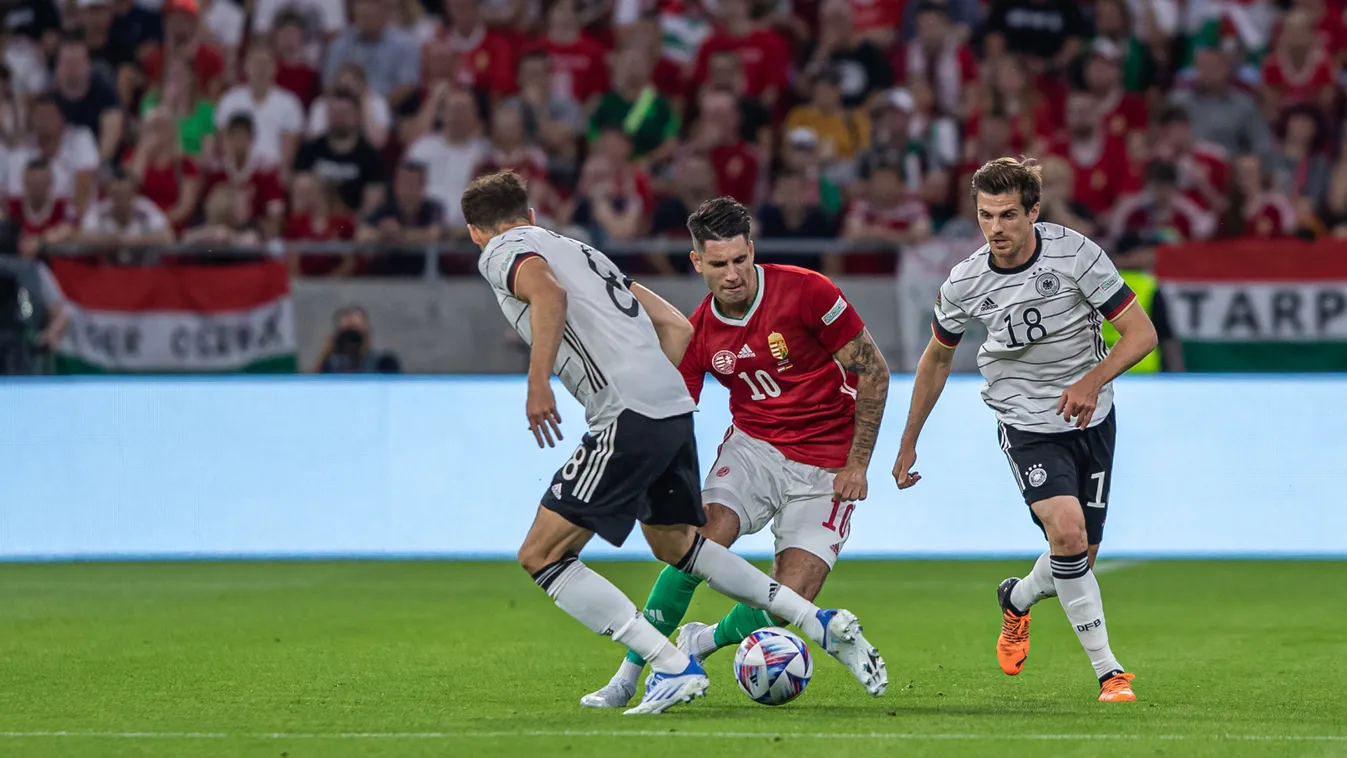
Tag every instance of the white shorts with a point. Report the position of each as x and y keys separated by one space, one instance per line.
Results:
x=753 y=479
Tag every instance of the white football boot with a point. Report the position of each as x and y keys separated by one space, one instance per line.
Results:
x=663 y=691
x=843 y=640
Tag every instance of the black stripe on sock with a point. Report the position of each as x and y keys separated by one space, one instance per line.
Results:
x=686 y=563
x=549 y=573
x=1070 y=566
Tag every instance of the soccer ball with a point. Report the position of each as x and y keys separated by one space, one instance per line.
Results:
x=772 y=666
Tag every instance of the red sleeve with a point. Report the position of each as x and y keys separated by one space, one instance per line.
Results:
x=210 y=66
x=1272 y=73
x=778 y=61
x=598 y=71
x=693 y=366
x=710 y=45
x=501 y=80
x=189 y=168
x=968 y=65
x=828 y=314
x=154 y=63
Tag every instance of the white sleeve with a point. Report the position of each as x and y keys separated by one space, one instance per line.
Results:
x=225 y=22
x=292 y=122
x=90 y=222
x=225 y=110
x=318 y=117
x=333 y=14
x=83 y=150
x=156 y=221
x=950 y=320
x=379 y=112
x=264 y=14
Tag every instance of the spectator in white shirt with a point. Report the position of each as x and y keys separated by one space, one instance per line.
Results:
x=277 y=114
x=451 y=155
x=69 y=150
x=125 y=219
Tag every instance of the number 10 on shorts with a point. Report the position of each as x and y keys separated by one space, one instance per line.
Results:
x=844 y=527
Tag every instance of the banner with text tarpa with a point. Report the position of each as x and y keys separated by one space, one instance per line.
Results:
x=1257 y=305
x=177 y=318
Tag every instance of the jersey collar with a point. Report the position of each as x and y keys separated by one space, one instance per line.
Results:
x=757 y=299
x=1038 y=250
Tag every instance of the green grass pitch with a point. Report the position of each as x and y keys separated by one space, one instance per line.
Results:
x=326 y=660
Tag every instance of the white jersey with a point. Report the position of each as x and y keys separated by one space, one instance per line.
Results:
x=610 y=358
x=1043 y=322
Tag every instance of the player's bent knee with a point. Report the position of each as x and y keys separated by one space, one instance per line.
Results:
x=669 y=544
x=722 y=524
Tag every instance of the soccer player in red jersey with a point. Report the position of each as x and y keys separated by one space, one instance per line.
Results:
x=807 y=391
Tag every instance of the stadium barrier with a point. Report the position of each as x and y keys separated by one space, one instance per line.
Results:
x=402 y=467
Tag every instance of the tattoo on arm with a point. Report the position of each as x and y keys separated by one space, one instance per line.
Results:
x=861 y=357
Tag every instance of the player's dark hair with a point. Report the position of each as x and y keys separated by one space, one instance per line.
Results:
x=38 y=164
x=721 y=218
x=1002 y=176
x=1161 y=172
x=494 y=200
x=240 y=121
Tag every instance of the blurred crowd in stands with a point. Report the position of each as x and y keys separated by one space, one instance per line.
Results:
x=130 y=124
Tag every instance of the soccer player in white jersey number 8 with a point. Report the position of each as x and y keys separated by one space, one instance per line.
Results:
x=611 y=343
x=807 y=391
x=1042 y=291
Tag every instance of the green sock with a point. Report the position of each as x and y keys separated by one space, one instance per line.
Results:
x=740 y=622
x=668 y=602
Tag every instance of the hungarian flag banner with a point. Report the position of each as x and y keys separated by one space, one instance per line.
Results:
x=1257 y=305
x=177 y=319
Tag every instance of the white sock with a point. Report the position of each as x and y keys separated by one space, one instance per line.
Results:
x=628 y=674
x=1078 y=590
x=704 y=643
x=1034 y=587
x=737 y=579
x=603 y=609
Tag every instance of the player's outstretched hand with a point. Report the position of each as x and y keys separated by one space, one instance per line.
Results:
x=1078 y=402
x=849 y=484
x=902 y=469
x=544 y=421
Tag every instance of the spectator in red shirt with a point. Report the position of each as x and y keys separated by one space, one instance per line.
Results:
x=887 y=214
x=717 y=135
x=1014 y=94
x=255 y=178
x=1204 y=168
x=1056 y=205
x=1300 y=69
x=941 y=57
x=578 y=64
x=764 y=54
x=1122 y=111
x=166 y=176
x=40 y=217
x=294 y=71
x=1258 y=208
x=183 y=41
x=486 y=56
x=1098 y=158
x=1160 y=213
x=314 y=218
x=865 y=69
x=510 y=148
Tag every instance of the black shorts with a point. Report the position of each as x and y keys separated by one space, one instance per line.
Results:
x=1077 y=464
x=635 y=469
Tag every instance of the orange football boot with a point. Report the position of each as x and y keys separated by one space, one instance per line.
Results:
x=1117 y=689
x=1012 y=647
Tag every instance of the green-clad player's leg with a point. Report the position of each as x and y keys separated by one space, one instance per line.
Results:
x=668 y=603
x=795 y=568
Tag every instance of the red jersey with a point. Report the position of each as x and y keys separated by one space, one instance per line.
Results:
x=762 y=53
x=486 y=60
x=303 y=228
x=736 y=169
x=261 y=183
x=877 y=15
x=39 y=221
x=1100 y=166
x=1124 y=112
x=579 y=68
x=1208 y=161
x=786 y=388
x=207 y=62
x=1182 y=221
x=299 y=78
x=1304 y=84
x=1269 y=215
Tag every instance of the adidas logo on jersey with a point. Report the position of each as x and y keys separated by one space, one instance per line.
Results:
x=747 y=352
x=987 y=305
x=556 y=490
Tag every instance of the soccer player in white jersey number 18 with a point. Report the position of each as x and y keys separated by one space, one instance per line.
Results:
x=611 y=343
x=1042 y=291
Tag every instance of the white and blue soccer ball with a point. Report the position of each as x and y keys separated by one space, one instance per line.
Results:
x=773 y=666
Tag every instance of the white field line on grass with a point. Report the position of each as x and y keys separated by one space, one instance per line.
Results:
x=881 y=736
